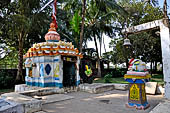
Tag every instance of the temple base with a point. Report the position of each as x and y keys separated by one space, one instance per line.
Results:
x=138 y=106
x=137 y=97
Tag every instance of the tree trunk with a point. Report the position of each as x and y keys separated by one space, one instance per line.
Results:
x=82 y=25
x=98 y=59
x=127 y=63
x=19 y=77
x=155 y=66
x=108 y=65
x=104 y=45
x=101 y=44
x=151 y=68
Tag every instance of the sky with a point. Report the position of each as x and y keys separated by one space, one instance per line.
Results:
x=161 y=4
x=107 y=40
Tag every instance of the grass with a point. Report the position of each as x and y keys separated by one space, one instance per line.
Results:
x=155 y=78
x=6 y=90
x=112 y=80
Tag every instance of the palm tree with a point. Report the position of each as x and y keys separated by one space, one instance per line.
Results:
x=153 y=2
x=82 y=24
x=96 y=19
x=99 y=20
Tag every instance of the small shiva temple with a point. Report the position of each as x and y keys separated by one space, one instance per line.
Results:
x=53 y=63
x=137 y=75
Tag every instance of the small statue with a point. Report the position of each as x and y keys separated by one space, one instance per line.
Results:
x=137 y=65
x=88 y=71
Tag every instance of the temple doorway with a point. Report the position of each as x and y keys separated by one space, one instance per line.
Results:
x=69 y=74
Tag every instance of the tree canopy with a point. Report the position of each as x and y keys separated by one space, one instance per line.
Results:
x=22 y=24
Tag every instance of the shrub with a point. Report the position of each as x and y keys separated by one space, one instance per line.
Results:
x=107 y=78
x=6 y=80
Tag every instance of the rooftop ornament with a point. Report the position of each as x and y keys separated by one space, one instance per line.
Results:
x=52 y=35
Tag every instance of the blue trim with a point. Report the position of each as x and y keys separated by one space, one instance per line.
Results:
x=138 y=105
x=49 y=84
x=60 y=85
x=77 y=82
x=46 y=60
x=140 y=81
x=27 y=83
x=47 y=78
x=56 y=78
x=56 y=60
x=36 y=84
x=52 y=40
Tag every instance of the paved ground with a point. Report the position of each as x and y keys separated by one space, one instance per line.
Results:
x=108 y=102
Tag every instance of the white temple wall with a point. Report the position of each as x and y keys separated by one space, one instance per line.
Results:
x=77 y=71
x=61 y=70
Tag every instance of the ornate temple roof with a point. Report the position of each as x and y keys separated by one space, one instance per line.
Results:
x=53 y=46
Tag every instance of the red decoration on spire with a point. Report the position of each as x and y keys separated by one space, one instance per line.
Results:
x=54 y=13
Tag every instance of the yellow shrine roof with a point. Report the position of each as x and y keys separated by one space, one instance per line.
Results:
x=53 y=48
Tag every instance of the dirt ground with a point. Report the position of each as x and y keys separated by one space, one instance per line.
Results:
x=109 y=102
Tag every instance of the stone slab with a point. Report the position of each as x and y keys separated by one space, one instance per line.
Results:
x=33 y=90
x=162 y=107
x=123 y=87
x=10 y=107
x=40 y=112
x=30 y=104
x=96 y=87
x=54 y=98
x=102 y=87
x=150 y=87
x=160 y=90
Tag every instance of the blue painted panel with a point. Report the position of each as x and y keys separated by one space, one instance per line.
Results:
x=27 y=71
x=41 y=70
x=48 y=69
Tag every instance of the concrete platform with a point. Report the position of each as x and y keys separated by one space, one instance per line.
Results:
x=34 y=99
x=107 y=102
x=32 y=103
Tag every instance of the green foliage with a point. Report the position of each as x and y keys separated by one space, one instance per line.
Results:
x=119 y=80
x=75 y=22
x=146 y=44
x=107 y=78
x=6 y=80
x=6 y=90
x=118 y=72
